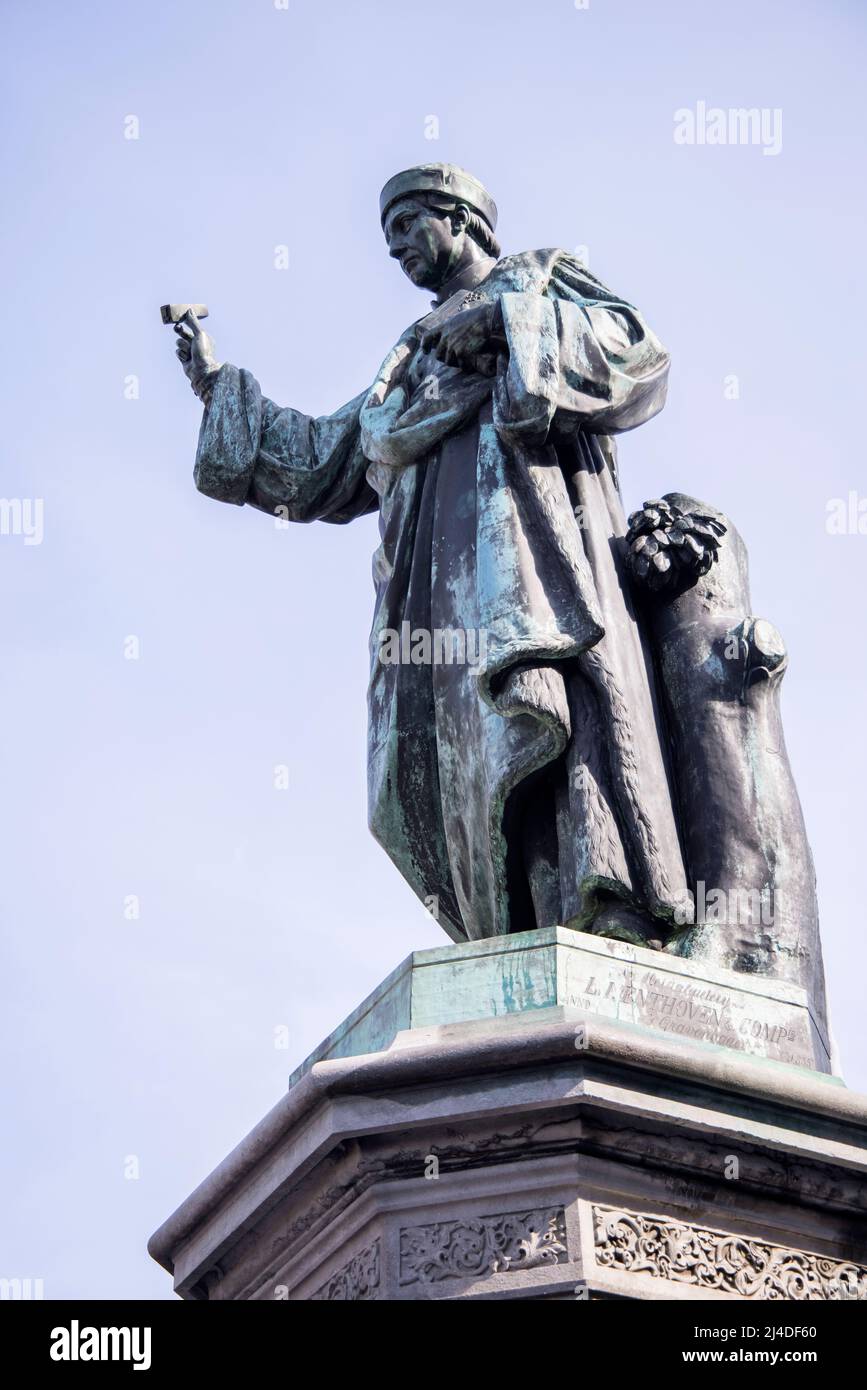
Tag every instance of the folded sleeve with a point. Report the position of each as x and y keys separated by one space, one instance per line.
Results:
x=296 y=466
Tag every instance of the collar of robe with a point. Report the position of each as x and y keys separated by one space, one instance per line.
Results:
x=466 y=279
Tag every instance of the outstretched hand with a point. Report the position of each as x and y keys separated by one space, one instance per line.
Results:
x=195 y=351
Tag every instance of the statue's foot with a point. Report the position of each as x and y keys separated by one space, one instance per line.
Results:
x=623 y=923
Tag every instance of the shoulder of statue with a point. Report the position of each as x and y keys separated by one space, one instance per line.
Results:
x=523 y=272
x=550 y=271
x=571 y=279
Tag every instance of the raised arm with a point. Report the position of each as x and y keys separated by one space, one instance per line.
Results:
x=279 y=460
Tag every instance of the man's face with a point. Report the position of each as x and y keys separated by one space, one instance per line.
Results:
x=424 y=242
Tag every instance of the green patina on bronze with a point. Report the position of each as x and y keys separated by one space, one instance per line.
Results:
x=617 y=743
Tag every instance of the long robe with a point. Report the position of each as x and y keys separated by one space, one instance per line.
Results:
x=530 y=787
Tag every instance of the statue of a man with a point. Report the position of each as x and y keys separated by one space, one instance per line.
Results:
x=529 y=786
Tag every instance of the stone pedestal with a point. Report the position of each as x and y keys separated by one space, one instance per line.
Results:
x=545 y=1116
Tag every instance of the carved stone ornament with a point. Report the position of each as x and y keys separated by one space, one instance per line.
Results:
x=483 y=1245
x=687 y=1254
x=356 y=1282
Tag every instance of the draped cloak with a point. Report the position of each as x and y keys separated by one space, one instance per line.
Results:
x=530 y=787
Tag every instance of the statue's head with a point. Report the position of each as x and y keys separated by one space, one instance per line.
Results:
x=437 y=219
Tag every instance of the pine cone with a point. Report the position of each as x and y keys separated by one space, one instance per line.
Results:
x=669 y=548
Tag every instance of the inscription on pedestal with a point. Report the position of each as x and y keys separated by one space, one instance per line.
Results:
x=695 y=1010
x=559 y=968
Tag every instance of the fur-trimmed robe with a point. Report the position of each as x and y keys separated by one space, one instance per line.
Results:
x=532 y=787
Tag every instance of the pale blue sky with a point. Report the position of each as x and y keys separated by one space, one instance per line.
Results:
x=261 y=127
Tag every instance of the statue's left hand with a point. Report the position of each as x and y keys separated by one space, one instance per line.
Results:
x=470 y=339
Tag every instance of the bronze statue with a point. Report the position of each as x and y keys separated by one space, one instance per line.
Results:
x=590 y=752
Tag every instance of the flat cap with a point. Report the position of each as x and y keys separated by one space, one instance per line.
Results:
x=445 y=179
